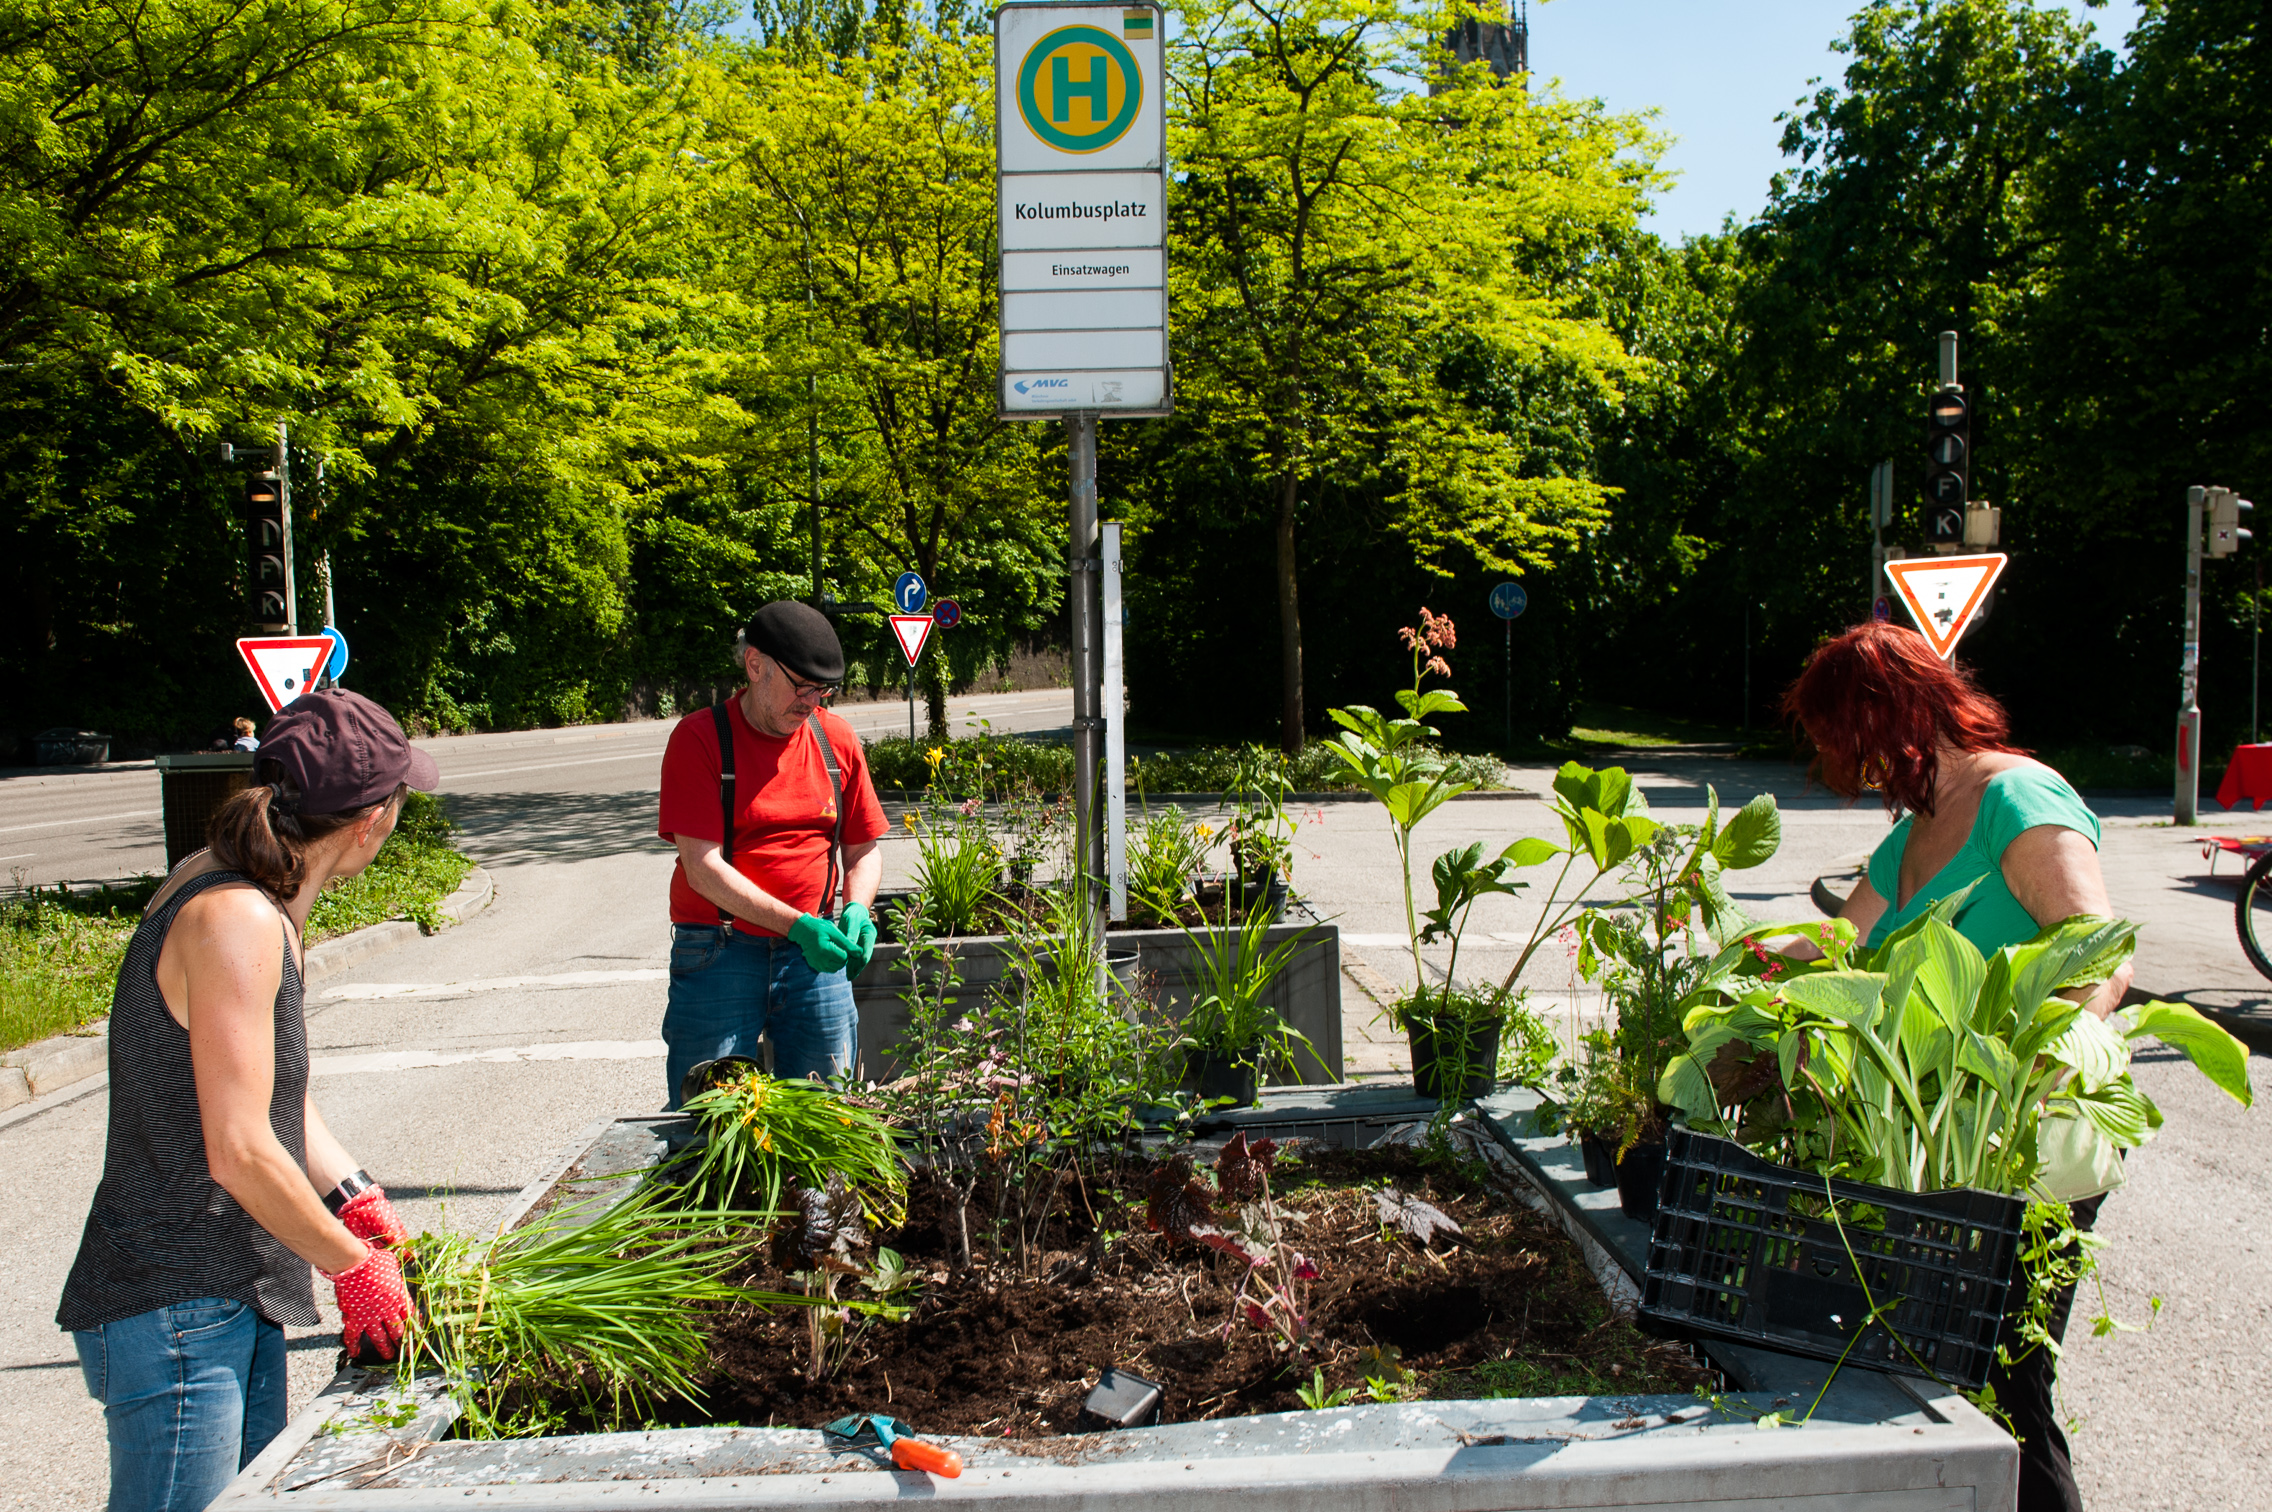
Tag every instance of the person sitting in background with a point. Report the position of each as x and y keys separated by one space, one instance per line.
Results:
x=1887 y=716
x=246 y=740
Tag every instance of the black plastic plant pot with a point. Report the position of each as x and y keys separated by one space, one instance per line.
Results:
x=1122 y=1400
x=1438 y=1061
x=1217 y=1076
x=1601 y=1158
x=1638 y=1177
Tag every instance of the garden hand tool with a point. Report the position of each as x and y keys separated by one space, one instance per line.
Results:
x=865 y=1428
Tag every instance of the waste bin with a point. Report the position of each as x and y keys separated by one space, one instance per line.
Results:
x=191 y=790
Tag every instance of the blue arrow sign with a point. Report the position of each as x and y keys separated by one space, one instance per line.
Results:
x=1509 y=600
x=909 y=593
x=338 y=662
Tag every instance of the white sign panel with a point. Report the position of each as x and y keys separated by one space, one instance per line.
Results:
x=1052 y=393
x=1081 y=122
x=1079 y=86
x=1083 y=210
x=1118 y=269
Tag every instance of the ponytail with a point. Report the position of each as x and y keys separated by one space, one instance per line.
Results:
x=261 y=832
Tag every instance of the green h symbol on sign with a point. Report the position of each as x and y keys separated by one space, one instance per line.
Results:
x=1062 y=89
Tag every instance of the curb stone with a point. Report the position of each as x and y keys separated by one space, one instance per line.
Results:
x=59 y=1060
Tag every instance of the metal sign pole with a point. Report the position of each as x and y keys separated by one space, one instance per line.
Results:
x=2189 y=669
x=1115 y=734
x=284 y=494
x=1081 y=457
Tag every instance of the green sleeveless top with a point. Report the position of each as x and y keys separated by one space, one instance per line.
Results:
x=2017 y=800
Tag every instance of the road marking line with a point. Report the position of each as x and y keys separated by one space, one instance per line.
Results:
x=542 y=766
x=368 y=991
x=10 y=829
x=20 y=856
x=419 y=1060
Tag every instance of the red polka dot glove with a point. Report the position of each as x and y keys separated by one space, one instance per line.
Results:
x=373 y=1302
x=371 y=1218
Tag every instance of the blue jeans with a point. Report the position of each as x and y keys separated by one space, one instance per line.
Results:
x=191 y=1392
x=729 y=989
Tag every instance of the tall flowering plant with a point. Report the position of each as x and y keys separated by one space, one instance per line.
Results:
x=1391 y=759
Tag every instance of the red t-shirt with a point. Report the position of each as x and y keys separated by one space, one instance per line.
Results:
x=784 y=810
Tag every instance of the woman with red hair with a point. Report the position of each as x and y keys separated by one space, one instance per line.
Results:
x=1885 y=715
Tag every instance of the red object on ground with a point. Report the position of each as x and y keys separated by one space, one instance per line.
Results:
x=784 y=809
x=2249 y=777
x=914 y=1454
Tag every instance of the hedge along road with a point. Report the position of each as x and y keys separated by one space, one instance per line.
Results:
x=454 y=1067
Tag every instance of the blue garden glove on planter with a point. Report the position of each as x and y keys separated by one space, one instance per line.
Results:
x=859 y=928
x=823 y=943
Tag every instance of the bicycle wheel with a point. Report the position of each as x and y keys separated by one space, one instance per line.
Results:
x=2252 y=915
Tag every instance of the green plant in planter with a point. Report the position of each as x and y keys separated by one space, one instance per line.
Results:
x=1164 y=856
x=958 y=869
x=1229 y=1018
x=1922 y=1066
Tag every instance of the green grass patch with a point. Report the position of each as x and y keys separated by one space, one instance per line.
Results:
x=60 y=950
x=1616 y=725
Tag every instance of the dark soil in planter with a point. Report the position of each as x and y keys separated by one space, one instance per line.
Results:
x=1507 y=1308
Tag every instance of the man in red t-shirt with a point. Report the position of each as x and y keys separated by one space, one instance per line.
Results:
x=758 y=948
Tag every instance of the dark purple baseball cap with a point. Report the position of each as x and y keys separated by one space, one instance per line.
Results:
x=344 y=752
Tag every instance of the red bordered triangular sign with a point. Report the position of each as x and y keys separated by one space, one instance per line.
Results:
x=913 y=630
x=1942 y=594
x=285 y=666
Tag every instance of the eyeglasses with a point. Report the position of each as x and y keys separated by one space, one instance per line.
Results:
x=802 y=689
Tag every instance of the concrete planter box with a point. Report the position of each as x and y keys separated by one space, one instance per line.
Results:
x=1307 y=992
x=1876 y=1444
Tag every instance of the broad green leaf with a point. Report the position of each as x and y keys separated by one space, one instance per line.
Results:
x=1752 y=835
x=1611 y=787
x=2092 y=1049
x=1431 y=703
x=1532 y=850
x=2119 y=1109
x=2214 y=1052
x=1950 y=972
x=1410 y=802
x=1850 y=997
x=1575 y=784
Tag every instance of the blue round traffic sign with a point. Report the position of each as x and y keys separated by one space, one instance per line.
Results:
x=909 y=593
x=948 y=613
x=1509 y=600
x=1882 y=610
x=338 y=663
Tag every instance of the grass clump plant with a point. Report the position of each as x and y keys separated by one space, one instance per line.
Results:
x=763 y=1136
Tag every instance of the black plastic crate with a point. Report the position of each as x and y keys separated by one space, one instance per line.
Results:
x=1745 y=1249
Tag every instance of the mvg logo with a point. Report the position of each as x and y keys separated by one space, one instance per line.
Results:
x=1028 y=385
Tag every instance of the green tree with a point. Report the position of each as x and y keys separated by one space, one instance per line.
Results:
x=1346 y=205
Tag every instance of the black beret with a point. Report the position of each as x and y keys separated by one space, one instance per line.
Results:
x=799 y=637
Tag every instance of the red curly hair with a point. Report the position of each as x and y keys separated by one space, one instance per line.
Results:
x=1877 y=705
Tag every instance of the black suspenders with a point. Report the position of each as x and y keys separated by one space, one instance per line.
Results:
x=726 y=804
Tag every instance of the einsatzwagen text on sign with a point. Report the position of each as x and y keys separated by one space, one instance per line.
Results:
x=1081 y=127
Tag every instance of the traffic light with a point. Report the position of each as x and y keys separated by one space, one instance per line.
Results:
x=265 y=576
x=1948 y=465
x=2225 y=532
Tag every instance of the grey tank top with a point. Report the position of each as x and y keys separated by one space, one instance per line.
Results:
x=162 y=1229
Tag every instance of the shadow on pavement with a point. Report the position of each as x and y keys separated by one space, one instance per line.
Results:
x=518 y=829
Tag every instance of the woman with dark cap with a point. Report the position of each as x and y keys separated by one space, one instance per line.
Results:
x=768 y=801
x=221 y=1185
x=1885 y=715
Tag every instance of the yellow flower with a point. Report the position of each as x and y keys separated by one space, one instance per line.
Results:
x=935 y=755
x=1206 y=832
x=909 y=819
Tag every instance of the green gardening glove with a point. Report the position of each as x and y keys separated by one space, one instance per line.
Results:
x=859 y=927
x=823 y=943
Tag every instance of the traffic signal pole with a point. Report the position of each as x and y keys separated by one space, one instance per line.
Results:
x=2189 y=669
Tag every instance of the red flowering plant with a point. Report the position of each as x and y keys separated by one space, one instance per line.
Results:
x=1238 y=1218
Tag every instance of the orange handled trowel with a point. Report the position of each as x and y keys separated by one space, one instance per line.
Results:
x=865 y=1430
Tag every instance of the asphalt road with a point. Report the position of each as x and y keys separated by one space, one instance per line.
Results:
x=456 y=1067
x=63 y=825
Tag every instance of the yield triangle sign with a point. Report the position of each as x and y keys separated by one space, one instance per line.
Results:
x=913 y=630
x=285 y=666
x=1943 y=593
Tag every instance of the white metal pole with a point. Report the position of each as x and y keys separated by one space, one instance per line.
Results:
x=1115 y=733
x=2189 y=669
x=1081 y=459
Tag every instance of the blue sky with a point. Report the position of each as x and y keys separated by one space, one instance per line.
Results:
x=1719 y=71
